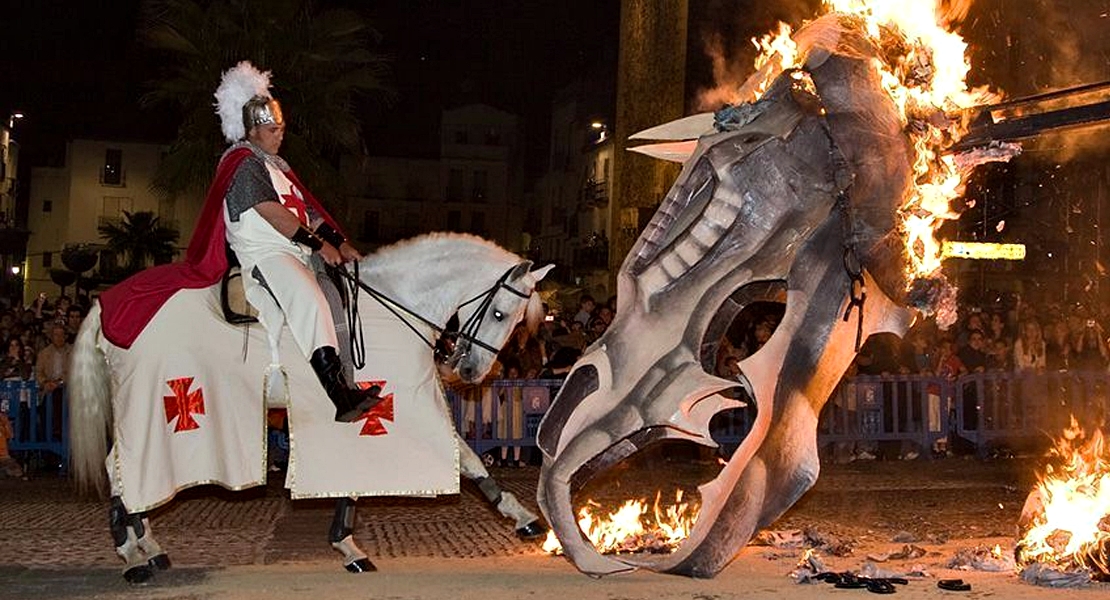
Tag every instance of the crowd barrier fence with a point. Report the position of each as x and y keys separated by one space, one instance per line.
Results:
x=40 y=423
x=979 y=413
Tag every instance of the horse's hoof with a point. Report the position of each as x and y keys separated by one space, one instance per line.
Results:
x=160 y=561
x=531 y=531
x=138 y=574
x=362 y=565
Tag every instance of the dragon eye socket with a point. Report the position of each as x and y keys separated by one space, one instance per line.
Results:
x=500 y=316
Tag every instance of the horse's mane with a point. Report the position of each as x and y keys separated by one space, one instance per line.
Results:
x=385 y=252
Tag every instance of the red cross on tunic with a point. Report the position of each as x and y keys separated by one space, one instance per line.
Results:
x=183 y=404
x=382 y=410
x=294 y=203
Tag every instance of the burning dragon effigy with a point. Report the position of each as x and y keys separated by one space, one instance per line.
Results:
x=822 y=184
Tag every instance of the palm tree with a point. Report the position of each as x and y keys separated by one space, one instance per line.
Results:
x=321 y=62
x=142 y=239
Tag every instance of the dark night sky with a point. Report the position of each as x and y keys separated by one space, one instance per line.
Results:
x=76 y=68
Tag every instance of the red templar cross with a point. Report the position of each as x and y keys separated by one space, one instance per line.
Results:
x=183 y=404
x=381 y=410
x=294 y=203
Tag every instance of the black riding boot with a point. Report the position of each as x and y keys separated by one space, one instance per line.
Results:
x=350 y=403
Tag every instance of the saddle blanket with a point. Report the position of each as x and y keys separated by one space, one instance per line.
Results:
x=189 y=409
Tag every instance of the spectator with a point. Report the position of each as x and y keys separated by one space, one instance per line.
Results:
x=596 y=329
x=996 y=328
x=576 y=338
x=586 y=306
x=8 y=465
x=1089 y=351
x=561 y=363
x=74 y=316
x=51 y=370
x=1029 y=349
x=973 y=355
x=1057 y=346
x=510 y=416
x=14 y=365
x=527 y=353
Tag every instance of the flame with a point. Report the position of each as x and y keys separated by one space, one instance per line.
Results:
x=923 y=67
x=1071 y=527
x=631 y=529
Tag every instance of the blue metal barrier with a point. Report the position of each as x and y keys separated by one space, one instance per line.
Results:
x=40 y=423
x=502 y=413
x=982 y=411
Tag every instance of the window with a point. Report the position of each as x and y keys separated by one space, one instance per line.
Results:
x=47 y=260
x=461 y=137
x=371 y=224
x=455 y=185
x=493 y=137
x=454 y=220
x=481 y=186
x=112 y=172
x=112 y=209
x=47 y=206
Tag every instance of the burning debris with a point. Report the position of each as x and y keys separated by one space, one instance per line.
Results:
x=809 y=539
x=1066 y=518
x=992 y=560
x=631 y=529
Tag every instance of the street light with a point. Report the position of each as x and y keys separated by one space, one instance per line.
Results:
x=13 y=117
x=602 y=131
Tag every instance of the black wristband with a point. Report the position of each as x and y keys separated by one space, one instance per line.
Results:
x=306 y=237
x=330 y=235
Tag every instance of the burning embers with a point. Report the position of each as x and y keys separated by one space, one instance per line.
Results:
x=633 y=528
x=1066 y=520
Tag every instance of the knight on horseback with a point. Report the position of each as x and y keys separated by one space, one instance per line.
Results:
x=267 y=215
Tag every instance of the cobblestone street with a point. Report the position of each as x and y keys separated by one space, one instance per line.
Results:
x=259 y=544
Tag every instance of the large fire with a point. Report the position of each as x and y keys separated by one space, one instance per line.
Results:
x=924 y=69
x=1068 y=512
x=632 y=529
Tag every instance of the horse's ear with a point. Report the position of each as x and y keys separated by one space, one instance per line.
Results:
x=540 y=272
x=520 y=270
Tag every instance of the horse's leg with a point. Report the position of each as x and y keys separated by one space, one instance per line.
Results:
x=128 y=532
x=528 y=525
x=342 y=538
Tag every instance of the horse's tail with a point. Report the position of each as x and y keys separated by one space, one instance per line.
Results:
x=89 y=407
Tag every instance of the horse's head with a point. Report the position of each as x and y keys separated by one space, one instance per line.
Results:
x=792 y=197
x=488 y=319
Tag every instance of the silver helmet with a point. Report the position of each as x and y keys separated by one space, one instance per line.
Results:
x=261 y=110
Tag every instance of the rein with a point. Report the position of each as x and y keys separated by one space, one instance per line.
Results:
x=468 y=332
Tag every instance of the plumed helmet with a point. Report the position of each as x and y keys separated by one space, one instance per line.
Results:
x=243 y=100
x=261 y=110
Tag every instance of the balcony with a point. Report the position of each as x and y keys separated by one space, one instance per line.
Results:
x=594 y=194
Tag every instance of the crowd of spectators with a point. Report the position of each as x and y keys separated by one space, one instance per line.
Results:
x=37 y=341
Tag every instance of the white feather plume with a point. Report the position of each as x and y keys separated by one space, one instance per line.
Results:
x=237 y=85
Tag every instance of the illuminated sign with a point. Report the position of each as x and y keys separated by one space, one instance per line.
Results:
x=983 y=251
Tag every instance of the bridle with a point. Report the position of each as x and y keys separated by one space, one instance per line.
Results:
x=468 y=332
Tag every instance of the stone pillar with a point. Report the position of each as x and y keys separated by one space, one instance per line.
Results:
x=651 y=81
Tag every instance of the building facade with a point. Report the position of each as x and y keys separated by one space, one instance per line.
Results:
x=99 y=181
x=475 y=184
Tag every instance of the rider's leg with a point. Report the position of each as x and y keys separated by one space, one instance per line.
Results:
x=334 y=297
x=294 y=287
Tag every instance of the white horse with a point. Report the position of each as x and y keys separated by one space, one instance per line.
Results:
x=185 y=404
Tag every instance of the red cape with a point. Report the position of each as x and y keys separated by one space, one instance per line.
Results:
x=127 y=307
